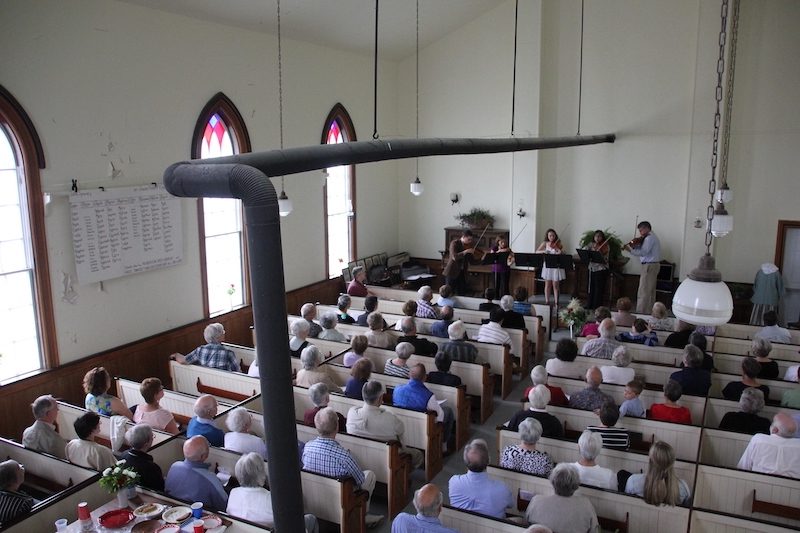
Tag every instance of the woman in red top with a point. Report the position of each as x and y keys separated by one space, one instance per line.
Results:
x=539 y=377
x=670 y=411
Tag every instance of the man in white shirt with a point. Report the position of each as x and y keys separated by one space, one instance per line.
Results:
x=493 y=331
x=772 y=331
x=776 y=453
x=589 y=446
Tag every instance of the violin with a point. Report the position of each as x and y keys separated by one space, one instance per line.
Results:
x=635 y=242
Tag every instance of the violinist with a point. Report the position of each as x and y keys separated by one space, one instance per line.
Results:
x=552 y=276
x=598 y=272
x=502 y=269
x=460 y=255
x=647 y=248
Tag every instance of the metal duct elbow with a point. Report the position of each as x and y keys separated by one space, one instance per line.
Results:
x=198 y=180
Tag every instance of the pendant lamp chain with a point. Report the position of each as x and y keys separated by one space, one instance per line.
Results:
x=284 y=204
x=375 y=80
x=417 y=187
x=580 y=73
x=724 y=193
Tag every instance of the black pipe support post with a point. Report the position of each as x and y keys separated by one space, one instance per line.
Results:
x=269 y=315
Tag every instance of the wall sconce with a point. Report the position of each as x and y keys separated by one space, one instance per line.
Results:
x=453 y=198
x=521 y=212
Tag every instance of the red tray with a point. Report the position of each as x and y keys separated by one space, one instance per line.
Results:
x=116 y=518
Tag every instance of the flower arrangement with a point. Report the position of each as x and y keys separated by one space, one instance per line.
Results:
x=573 y=315
x=118 y=477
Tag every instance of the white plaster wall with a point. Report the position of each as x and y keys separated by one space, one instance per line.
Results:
x=105 y=81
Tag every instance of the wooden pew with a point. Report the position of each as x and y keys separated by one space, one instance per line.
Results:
x=607 y=504
x=647 y=354
x=470 y=522
x=727 y=363
x=731 y=491
x=655 y=375
x=566 y=451
x=787 y=352
x=776 y=386
x=196 y=380
x=717 y=407
x=722 y=448
x=746 y=332
x=708 y=522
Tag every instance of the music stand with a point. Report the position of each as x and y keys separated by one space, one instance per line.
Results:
x=591 y=256
x=529 y=260
x=559 y=261
x=495 y=258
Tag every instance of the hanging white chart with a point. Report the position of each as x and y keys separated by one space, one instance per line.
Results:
x=123 y=231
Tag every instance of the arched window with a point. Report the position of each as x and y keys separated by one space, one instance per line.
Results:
x=340 y=196
x=221 y=131
x=28 y=343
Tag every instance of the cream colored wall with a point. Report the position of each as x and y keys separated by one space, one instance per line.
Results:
x=105 y=81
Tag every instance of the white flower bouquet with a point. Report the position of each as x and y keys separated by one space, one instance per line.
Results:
x=118 y=477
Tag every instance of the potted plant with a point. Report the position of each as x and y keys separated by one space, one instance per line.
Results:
x=476 y=217
x=615 y=244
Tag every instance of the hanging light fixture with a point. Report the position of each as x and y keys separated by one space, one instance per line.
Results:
x=703 y=298
x=416 y=186
x=284 y=204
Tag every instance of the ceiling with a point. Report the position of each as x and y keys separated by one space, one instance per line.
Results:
x=343 y=24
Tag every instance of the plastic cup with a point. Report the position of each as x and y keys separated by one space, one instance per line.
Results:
x=199 y=526
x=197 y=509
x=61 y=524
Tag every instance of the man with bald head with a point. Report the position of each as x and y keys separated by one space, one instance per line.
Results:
x=776 y=453
x=602 y=347
x=416 y=396
x=428 y=503
x=421 y=346
x=43 y=435
x=205 y=409
x=475 y=490
x=192 y=481
x=591 y=397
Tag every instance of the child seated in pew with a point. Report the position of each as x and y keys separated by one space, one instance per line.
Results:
x=639 y=334
x=632 y=406
x=670 y=411
x=613 y=437
x=591 y=330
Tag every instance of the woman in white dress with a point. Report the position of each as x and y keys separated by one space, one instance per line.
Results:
x=552 y=276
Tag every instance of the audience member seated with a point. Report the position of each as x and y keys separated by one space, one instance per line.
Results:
x=440 y=327
x=746 y=420
x=329 y=332
x=84 y=451
x=151 y=412
x=191 y=480
x=612 y=435
x=309 y=313
x=343 y=303
x=359 y=375
x=564 y=511
x=140 y=439
x=680 y=338
x=213 y=354
x=699 y=339
x=370 y=305
x=538 y=397
x=324 y=455
x=300 y=333
x=602 y=347
x=791 y=398
x=632 y=406
x=692 y=378
x=521 y=303
x=205 y=409
x=590 y=444
x=670 y=410
x=760 y=349
x=792 y=374
x=639 y=334
x=660 y=485
x=398 y=366
x=371 y=420
x=493 y=331
x=618 y=373
x=425 y=308
x=475 y=490
x=250 y=500
x=377 y=336
x=446 y=297
x=312 y=372
x=591 y=397
x=358 y=345
x=428 y=503
x=539 y=377
x=320 y=397
x=409 y=309
x=489 y=304
x=458 y=348
x=659 y=320
x=750 y=369
x=772 y=331
x=96 y=383
x=511 y=318
x=421 y=346
x=563 y=364
x=13 y=502
x=622 y=316
x=417 y=397
x=43 y=435
x=238 y=438
x=358 y=285
x=591 y=330
x=776 y=453
x=524 y=457
x=442 y=375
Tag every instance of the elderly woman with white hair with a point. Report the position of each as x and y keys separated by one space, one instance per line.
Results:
x=590 y=445
x=319 y=394
x=377 y=336
x=539 y=377
x=343 y=304
x=329 y=332
x=538 y=397
x=564 y=511
x=309 y=313
x=746 y=420
x=238 y=438
x=760 y=349
x=312 y=372
x=300 y=332
x=659 y=320
x=524 y=457
x=511 y=318
x=398 y=366
x=140 y=439
x=618 y=373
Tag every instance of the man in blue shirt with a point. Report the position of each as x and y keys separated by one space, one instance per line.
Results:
x=205 y=409
x=475 y=490
x=428 y=503
x=192 y=481
x=649 y=253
